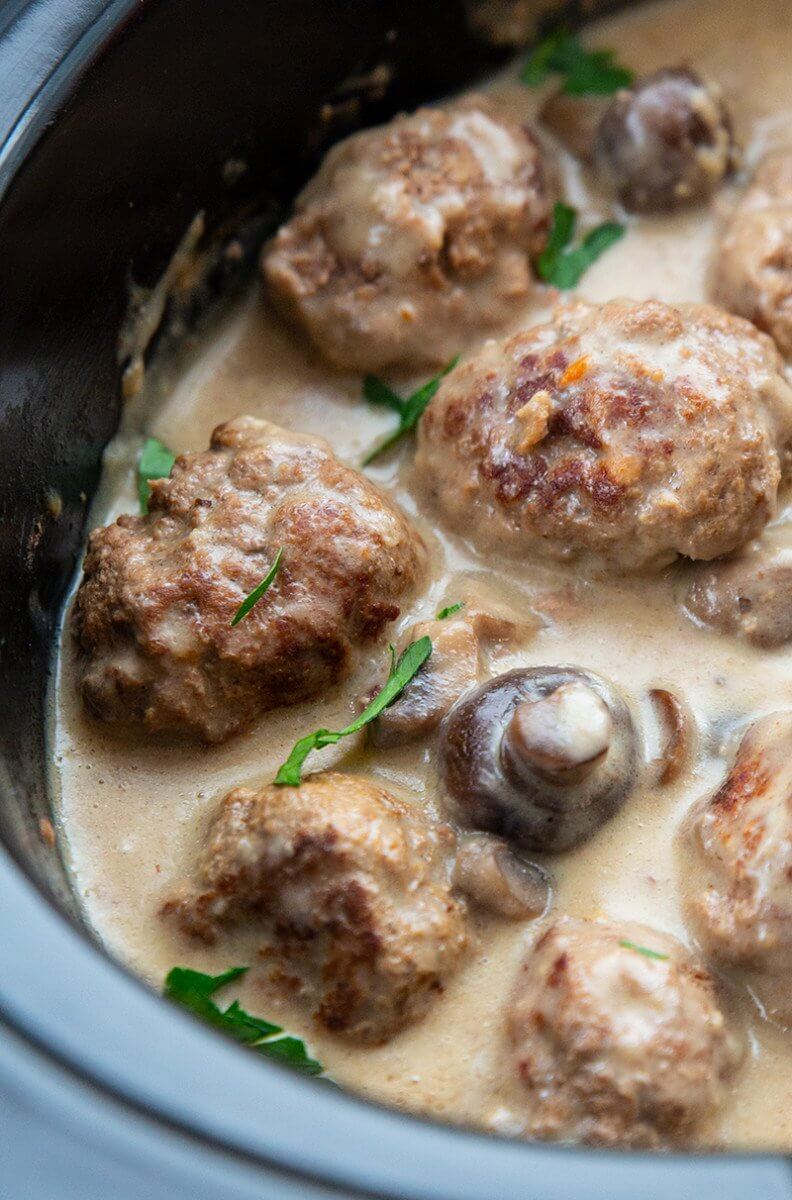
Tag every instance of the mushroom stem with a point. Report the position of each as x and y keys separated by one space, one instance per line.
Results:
x=561 y=737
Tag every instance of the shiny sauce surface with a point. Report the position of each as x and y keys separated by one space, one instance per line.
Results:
x=132 y=813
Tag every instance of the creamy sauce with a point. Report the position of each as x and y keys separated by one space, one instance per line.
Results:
x=132 y=811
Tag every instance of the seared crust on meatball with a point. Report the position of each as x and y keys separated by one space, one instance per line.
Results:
x=666 y=142
x=617 y=1036
x=152 y=618
x=412 y=236
x=624 y=434
x=752 y=268
x=740 y=900
x=350 y=889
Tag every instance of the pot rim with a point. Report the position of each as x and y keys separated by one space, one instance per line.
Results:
x=68 y=998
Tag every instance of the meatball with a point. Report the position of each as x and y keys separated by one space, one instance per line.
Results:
x=414 y=237
x=740 y=900
x=752 y=271
x=623 y=434
x=542 y=755
x=748 y=597
x=153 y=614
x=350 y=889
x=617 y=1036
x=666 y=142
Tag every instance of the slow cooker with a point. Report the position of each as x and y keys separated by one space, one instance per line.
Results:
x=117 y=124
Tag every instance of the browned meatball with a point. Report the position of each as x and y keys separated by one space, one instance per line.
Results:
x=350 y=889
x=666 y=142
x=617 y=1036
x=740 y=897
x=413 y=236
x=622 y=434
x=152 y=619
x=749 y=597
x=752 y=270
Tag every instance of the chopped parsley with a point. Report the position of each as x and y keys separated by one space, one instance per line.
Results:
x=409 y=410
x=155 y=462
x=585 y=72
x=401 y=673
x=449 y=612
x=647 y=953
x=562 y=265
x=195 y=991
x=258 y=591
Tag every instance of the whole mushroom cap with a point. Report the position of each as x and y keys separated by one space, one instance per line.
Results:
x=541 y=755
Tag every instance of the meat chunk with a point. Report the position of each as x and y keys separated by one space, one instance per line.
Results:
x=748 y=597
x=617 y=1036
x=153 y=614
x=621 y=434
x=349 y=887
x=666 y=142
x=740 y=900
x=752 y=269
x=414 y=236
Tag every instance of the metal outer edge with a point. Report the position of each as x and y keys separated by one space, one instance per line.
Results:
x=89 y=1015
x=44 y=47
x=86 y=1013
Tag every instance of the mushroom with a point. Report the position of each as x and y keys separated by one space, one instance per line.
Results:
x=541 y=755
x=499 y=879
x=665 y=142
x=661 y=144
x=456 y=664
x=748 y=597
x=678 y=735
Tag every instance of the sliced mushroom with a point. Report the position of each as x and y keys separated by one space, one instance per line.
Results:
x=542 y=755
x=452 y=668
x=678 y=737
x=492 y=875
x=456 y=664
x=748 y=597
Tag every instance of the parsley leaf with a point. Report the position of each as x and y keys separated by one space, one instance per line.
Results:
x=401 y=673
x=563 y=266
x=155 y=462
x=377 y=392
x=258 y=591
x=194 y=991
x=410 y=410
x=585 y=71
x=647 y=953
x=449 y=612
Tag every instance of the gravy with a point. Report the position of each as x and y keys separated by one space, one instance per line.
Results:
x=132 y=812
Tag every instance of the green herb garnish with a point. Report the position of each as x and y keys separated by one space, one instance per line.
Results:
x=401 y=673
x=647 y=953
x=562 y=266
x=258 y=591
x=409 y=410
x=194 y=991
x=585 y=72
x=155 y=462
x=449 y=612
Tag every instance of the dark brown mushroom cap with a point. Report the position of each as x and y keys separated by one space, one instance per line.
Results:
x=541 y=755
x=666 y=142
